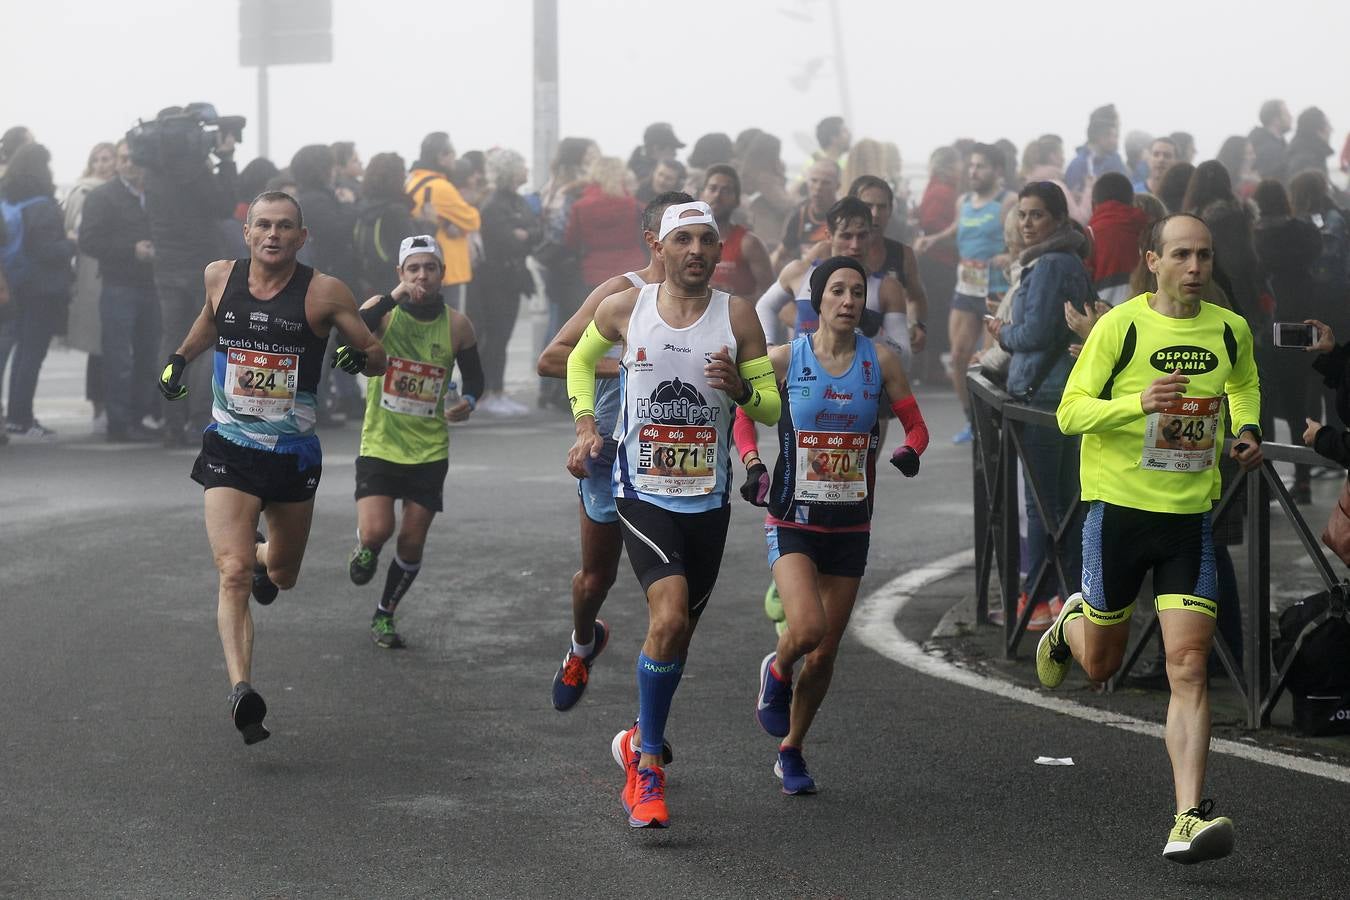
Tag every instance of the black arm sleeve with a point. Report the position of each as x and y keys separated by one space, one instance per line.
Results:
x=1334 y=444
x=374 y=315
x=470 y=372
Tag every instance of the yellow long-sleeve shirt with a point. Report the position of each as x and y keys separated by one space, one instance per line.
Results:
x=1165 y=462
x=427 y=186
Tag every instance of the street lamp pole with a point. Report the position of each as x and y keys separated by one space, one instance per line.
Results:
x=840 y=65
x=545 y=87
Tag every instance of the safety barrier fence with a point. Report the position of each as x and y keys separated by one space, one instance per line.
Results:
x=998 y=423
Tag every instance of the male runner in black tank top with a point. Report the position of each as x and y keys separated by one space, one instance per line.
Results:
x=242 y=478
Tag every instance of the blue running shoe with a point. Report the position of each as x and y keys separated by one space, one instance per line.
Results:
x=774 y=709
x=964 y=436
x=791 y=770
x=569 y=682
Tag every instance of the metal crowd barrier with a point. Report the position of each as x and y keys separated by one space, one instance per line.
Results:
x=997 y=451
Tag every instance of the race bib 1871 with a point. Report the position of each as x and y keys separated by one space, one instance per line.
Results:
x=678 y=460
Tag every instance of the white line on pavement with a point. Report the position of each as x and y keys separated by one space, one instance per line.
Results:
x=874 y=624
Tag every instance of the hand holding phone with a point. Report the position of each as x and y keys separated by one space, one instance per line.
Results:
x=1295 y=335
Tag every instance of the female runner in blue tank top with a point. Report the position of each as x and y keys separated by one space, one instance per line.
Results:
x=820 y=496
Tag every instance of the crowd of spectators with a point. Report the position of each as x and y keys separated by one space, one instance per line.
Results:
x=113 y=262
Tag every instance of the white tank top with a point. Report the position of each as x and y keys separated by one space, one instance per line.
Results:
x=674 y=430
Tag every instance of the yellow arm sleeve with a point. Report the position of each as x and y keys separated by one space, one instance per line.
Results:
x=1244 y=385
x=763 y=404
x=581 y=364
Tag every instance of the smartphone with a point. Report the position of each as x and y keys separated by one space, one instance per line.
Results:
x=1295 y=335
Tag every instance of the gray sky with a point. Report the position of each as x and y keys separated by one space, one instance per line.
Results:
x=466 y=68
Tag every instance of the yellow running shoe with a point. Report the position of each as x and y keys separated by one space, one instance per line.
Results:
x=1052 y=652
x=1195 y=837
x=773 y=604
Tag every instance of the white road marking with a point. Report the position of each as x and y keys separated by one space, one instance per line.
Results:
x=874 y=624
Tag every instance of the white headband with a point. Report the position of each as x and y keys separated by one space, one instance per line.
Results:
x=674 y=218
x=419 y=243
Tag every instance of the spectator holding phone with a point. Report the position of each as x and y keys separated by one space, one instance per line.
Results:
x=1333 y=363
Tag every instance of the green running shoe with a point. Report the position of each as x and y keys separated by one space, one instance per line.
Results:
x=383 y=633
x=1052 y=651
x=1196 y=837
x=361 y=565
x=773 y=604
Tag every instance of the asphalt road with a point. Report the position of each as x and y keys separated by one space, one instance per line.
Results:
x=443 y=771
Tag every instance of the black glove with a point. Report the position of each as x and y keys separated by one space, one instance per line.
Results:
x=906 y=460
x=756 y=487
x=171 y=376
x=349 y=359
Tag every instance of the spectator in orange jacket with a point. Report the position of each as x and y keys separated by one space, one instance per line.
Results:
x=438 y=201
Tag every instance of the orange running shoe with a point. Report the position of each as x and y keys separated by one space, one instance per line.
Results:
x=627 y=758
x=649 y=799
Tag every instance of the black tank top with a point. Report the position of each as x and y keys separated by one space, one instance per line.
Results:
x=279 y=325
x=894 y=263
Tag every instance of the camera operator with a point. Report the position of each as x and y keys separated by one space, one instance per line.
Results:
x=186 y=196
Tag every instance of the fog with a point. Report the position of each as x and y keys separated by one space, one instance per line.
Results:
x=919 y=74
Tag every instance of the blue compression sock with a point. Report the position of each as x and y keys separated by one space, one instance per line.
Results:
x=656 y=687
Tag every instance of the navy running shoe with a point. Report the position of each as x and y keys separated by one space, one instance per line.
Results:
x=569 y=682
x=791 y=770
x=774 y=707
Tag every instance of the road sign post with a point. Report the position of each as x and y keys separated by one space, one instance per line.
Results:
x=280 y=33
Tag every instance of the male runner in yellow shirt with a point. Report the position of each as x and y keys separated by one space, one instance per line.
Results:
x=1147 y=394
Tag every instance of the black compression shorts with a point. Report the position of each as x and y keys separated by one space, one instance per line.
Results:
x=661 y=543
x=1121 y=545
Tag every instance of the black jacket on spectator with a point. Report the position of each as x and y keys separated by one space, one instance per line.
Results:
x=503 y=253
x=381 y=226
x=1235 y=265
x=185 y=214
x=1270 y=154
x=113 y=223
x=1287 y=248
x=330 y=232
x=1332 y=442
x=1307 y=153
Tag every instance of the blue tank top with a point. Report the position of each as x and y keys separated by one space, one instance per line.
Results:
x=979 y=235
x=827 y=441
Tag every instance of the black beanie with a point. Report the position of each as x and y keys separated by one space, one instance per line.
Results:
x=820 y=276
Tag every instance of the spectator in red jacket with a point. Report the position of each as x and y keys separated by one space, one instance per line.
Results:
x=603 y=226
x=1115 y=225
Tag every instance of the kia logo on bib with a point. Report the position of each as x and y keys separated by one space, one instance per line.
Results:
x=1191 y=360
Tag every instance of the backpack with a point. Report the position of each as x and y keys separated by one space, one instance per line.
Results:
x=376 y=235
x=1315 y=632
x=13 y=260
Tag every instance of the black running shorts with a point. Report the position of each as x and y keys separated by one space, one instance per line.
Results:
x=661 y=543
x=840 y=553
x=267 y=475
x=421 y=483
